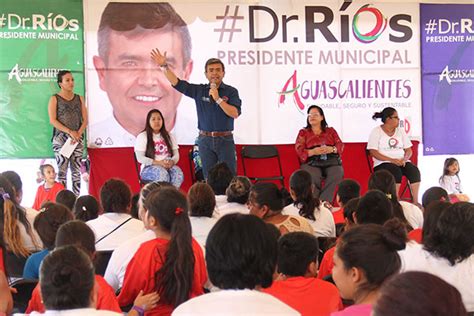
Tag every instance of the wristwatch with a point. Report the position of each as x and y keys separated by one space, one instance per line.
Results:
x=219 y=101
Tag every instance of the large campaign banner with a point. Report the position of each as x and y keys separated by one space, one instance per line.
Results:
x=350 y=58
x=447 y=47
x=37 y=39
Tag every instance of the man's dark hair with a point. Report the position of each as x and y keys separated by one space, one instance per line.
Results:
x=115 y=196
x=295 y=252
x=348 y=189
x=241 y=252
x=148 y=17
x=219 y=178
x=66 y=279
x=213 y=61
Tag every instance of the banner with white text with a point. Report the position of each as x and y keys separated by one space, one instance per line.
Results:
x=350 y=58
x=37 y=39
x=447 y=78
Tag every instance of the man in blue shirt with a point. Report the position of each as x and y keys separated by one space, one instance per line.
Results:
x=217 y=106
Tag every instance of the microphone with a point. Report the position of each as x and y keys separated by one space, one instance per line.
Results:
x=213 y=86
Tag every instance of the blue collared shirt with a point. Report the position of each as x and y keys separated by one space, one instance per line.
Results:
x=211 y=117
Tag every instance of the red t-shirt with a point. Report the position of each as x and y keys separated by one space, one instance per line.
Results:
x=106 y=299
x=140 y=274
x=325 y=268
x=45 y=195
x=309 y=296
x=416 y=235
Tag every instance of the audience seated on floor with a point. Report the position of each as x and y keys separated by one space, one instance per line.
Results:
x=115 y=225
x=306 y=205
x=297 y=285
x=235 y=244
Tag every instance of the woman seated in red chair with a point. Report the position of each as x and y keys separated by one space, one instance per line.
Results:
x=318 y=148
x=390 y=149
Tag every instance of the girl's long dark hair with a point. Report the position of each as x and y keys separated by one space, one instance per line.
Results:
x=324 y=124
x=150 y=144
x=301 y=184
x=12 y=215
x=174 y=280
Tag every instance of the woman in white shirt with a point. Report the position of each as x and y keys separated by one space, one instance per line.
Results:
x=390 y=149
x=202 y=203
x=157 y=151
x=309 y=207
x=237 y=195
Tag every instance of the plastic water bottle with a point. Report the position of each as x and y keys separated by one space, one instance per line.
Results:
x=324 y=156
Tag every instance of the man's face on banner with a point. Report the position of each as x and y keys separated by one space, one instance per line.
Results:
x=134 y=83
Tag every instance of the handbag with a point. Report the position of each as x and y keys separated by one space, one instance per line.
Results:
x=331 y=160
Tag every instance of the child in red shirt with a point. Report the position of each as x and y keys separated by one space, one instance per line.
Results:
x=297 y=285
x=48 y=190
x=172 y=264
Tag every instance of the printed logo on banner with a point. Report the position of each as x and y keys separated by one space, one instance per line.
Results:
x=367 y=25
x=344 y=89
x=456 y=75
x=32 y=74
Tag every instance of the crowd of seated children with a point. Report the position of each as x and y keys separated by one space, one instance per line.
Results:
x=308 y=206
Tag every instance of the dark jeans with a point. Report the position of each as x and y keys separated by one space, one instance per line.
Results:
x=216 y=149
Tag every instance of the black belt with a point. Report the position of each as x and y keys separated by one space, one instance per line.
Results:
x=216 y=134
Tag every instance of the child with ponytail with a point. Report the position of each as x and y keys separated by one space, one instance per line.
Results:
x=171 y=264
x=365 y=257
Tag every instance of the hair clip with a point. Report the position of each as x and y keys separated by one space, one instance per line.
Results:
x=84 y=209
x=4 y=194
x=178 y=210
x=389 y=195
x=42 y=209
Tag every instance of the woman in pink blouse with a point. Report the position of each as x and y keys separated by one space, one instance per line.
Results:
x=318 y=148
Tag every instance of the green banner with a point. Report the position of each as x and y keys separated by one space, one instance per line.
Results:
x=37 y=39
